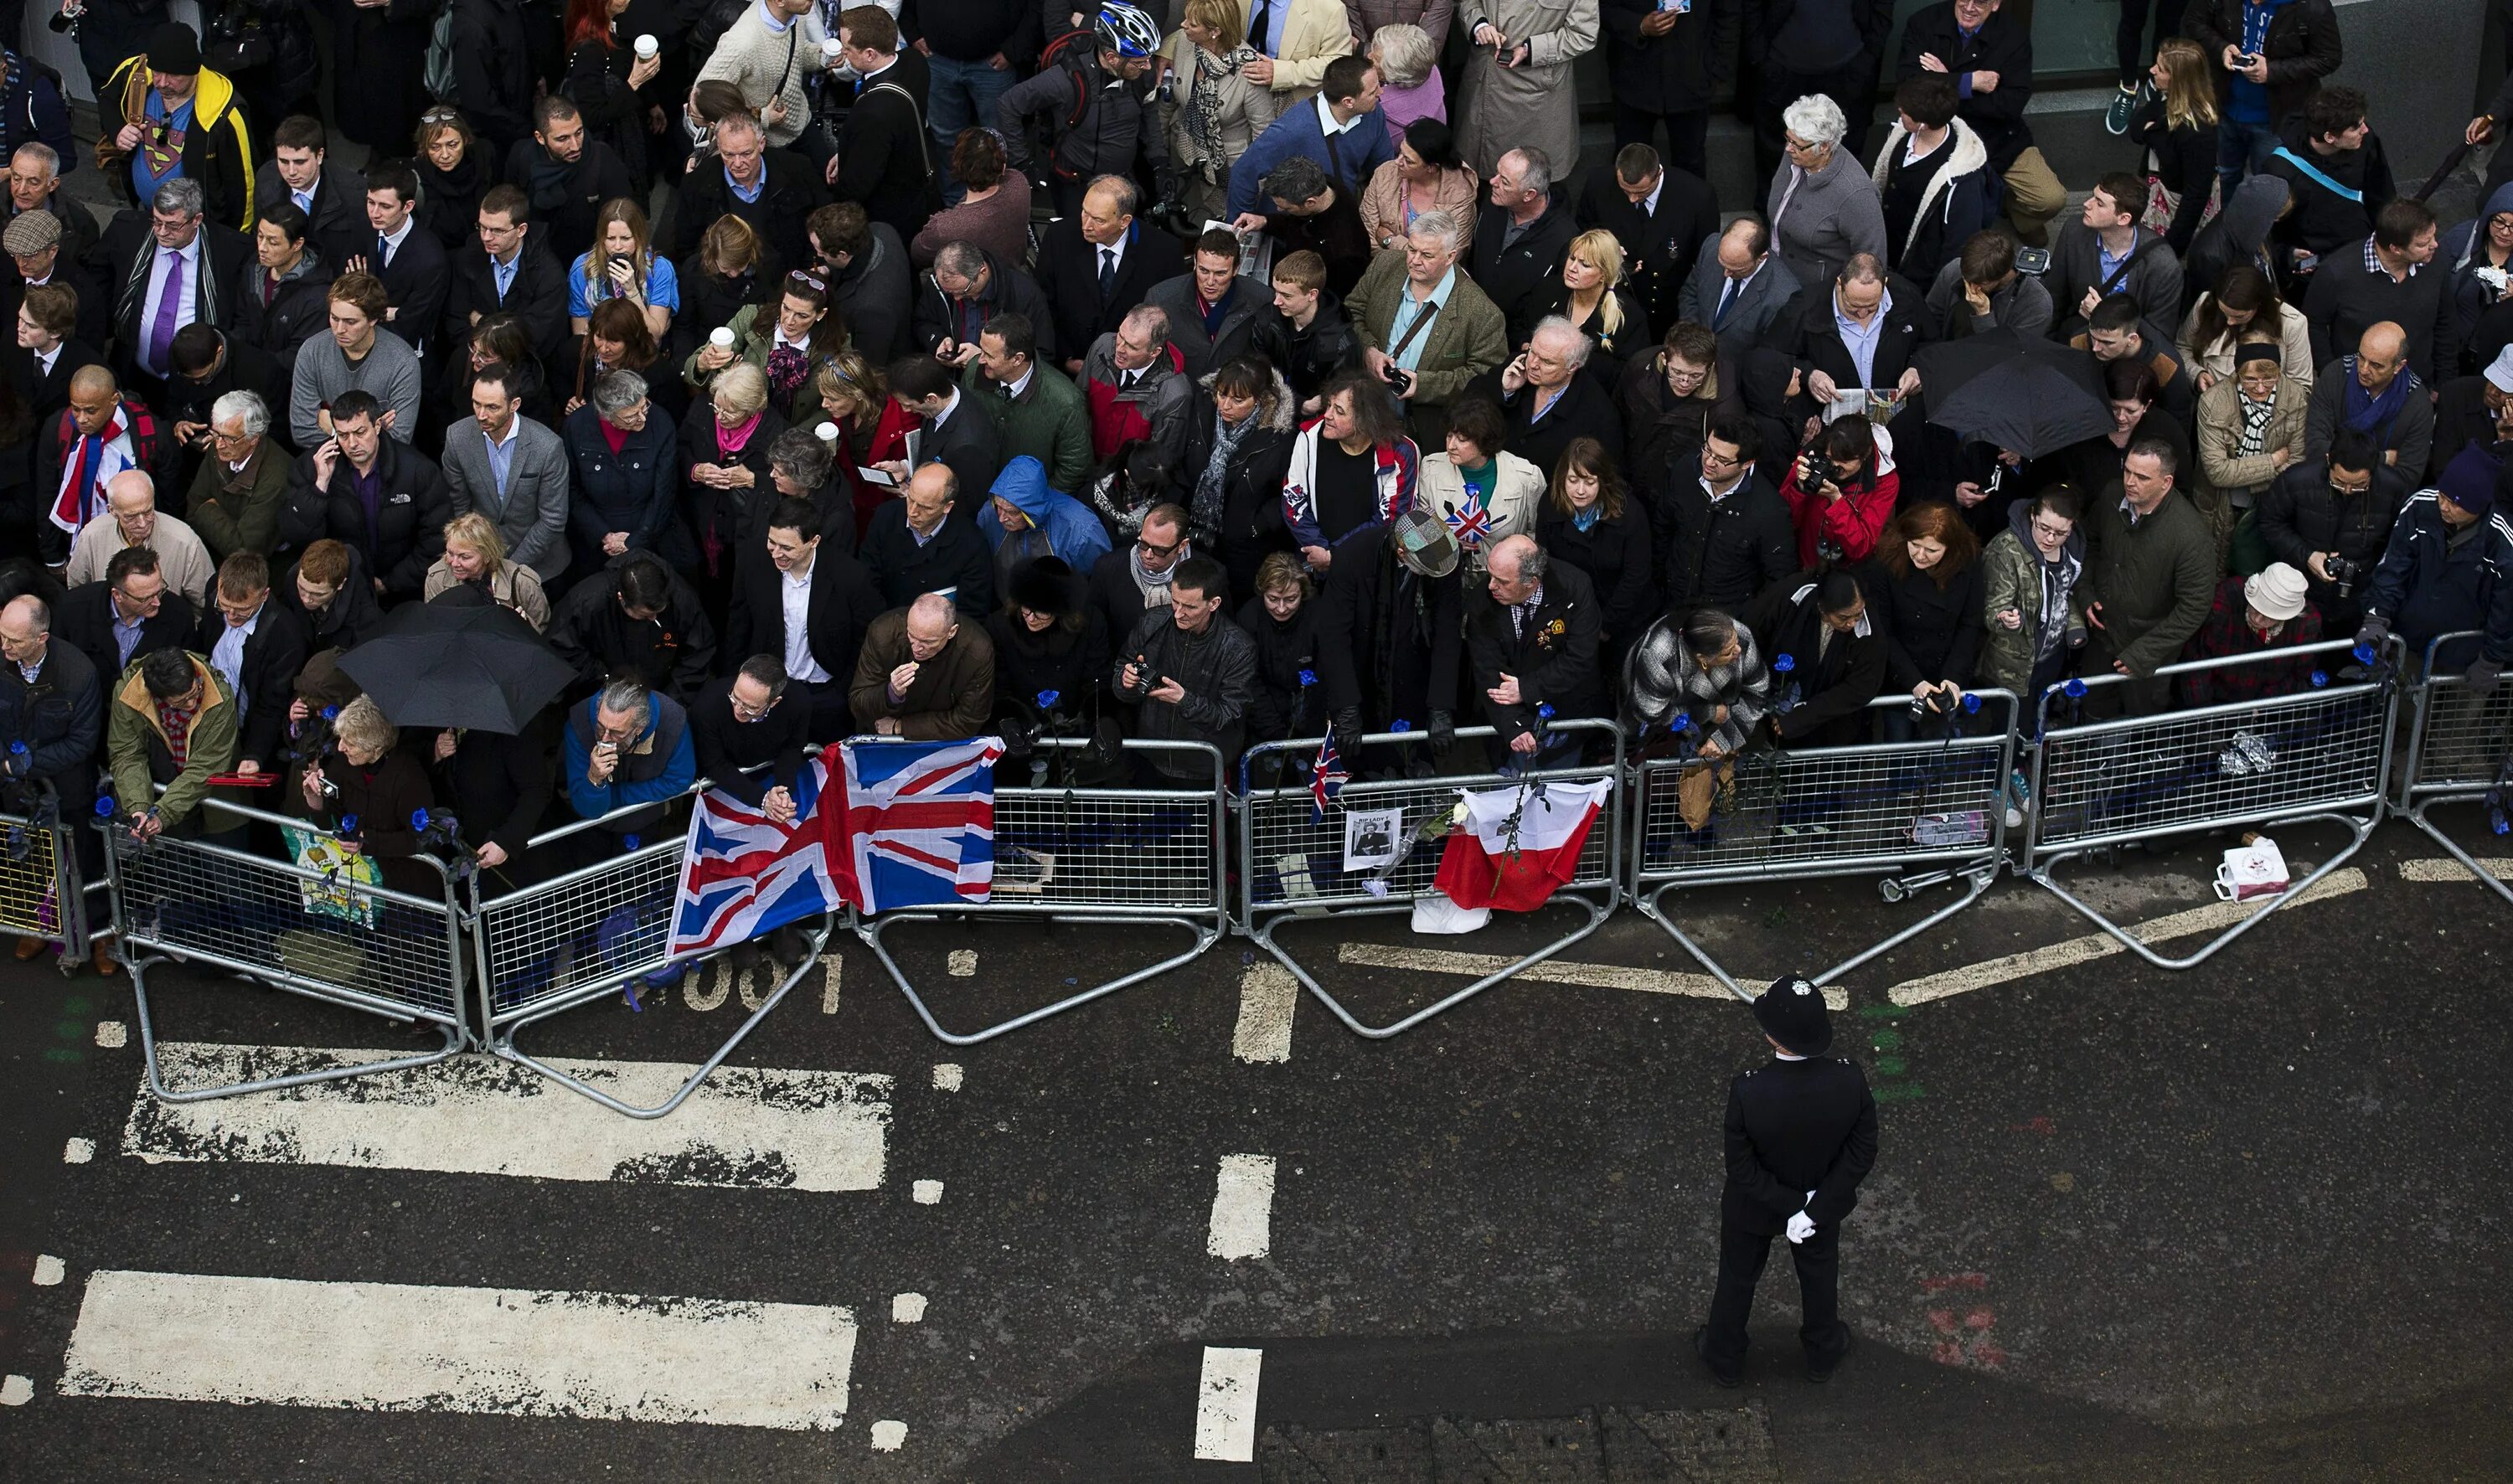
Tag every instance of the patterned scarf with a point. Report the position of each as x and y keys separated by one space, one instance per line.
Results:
x=787 y=367
x=1203 y=116
x=1204 y=518
x=2255 y=426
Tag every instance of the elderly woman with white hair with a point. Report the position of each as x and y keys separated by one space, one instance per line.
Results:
x=365 y=789
x=1409 y=86
x=1824 y=209
x=237 y=495
x=474 y=552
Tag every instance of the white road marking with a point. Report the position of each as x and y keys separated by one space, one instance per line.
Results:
x=16 y=1391
x=947 y=1077
x=755 y=983
x=2213 y=918
x=2446 y=868
x=1226 y=1406
x=1242 y=1208
x=1598 y=976
x=706 y=1000
x=745 y=1126
x=403 y=1348
x=907 y=1308
x=50 y=1271
x=1267 y=996
x=962 y=962
x=112 y=1032
x=78 y=1151
x=889 y=1435
x=927 y=1192
x=829 y=966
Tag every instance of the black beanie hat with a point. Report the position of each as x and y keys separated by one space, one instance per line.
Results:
x=174 y=48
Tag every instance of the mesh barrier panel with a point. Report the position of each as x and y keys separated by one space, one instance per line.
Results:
x=1074 y=849
x=191 y=900
x=580 y=934
x=31 y=905
x=2465 y=739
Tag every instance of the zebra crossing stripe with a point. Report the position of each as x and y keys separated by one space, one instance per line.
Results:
x=744 y=1127
x=404 y=1348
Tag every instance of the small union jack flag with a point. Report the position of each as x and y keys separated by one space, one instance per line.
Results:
x=1327 y=777
x=1471 y=522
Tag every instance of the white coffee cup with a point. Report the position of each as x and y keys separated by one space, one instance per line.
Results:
x=721 y=339
x=829 y=48
x=826 y=432
x=646 y=47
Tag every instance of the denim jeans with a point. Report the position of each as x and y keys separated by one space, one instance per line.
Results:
x=2242 y=147
x=964 y=94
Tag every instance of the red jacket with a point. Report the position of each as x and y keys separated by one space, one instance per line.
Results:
x=1853 y=523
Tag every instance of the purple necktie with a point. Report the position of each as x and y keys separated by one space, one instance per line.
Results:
x=161 y=331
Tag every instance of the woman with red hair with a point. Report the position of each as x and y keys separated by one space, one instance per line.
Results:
x=1924 y=587
x=604 y=77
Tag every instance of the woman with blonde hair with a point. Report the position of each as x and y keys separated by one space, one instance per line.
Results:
x=476 y=554
x=872 y=429
x=716 y=281
x=1589 y=293
x=1217 y=112
x=2177 y=129
x=621 y=265
x=365 y=789
x=725 y=477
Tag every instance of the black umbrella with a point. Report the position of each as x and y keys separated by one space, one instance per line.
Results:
x=2033 y=397
x=480 y=667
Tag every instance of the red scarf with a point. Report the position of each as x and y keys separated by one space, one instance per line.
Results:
x=72 y=507
x=729 y=442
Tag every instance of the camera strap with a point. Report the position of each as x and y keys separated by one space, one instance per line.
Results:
x=1421 y=321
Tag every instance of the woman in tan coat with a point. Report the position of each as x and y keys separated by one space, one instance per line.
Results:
x=2250 y=431
x=1218 y=111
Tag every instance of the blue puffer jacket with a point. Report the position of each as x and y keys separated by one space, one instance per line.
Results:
x=1073 y=532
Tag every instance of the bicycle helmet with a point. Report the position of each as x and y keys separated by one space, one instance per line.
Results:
x=1126 y=31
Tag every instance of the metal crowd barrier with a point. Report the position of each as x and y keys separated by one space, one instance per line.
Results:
x=1137 y=856
x=310 y=932
x=43 y=892
x=2461 y=752
x=2320 y=754
x=1931 y=808
x=1291 y=862
x=593 y=931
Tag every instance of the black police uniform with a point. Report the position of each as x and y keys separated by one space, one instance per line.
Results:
x=1804 y=1123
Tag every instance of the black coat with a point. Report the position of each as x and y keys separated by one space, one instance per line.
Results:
x=781 y=215
x=412 y=508
x=1615 y=556
x=1252 y=493
x=707 y=302
x=1660 y=248
x=337 y=227
x=2302 y=47
x=1805 y=333
x=564 y=203
x=1285 y=705
x=637 y=489
x=1068 y=273
x=673 y=651
x=843 y=606
x=956 y=560
x=539 y=295
x=2300 y=515
x=1389 y=641
x=449 y=201
x=1554 y=656
x=1794 y=1127
x=2186 y=159
x=130 y=249
x=499 y=785
x=873 y=290
x=1584 y=410
x=1764 y=20
x=248 y=369
x=727 y=746
x=493 y=71
x=60 y=715
x=93 y=325
x=1113 y=592
x=48 y=396
x=885 y=155
x=1071 y=662
x=727 y=519
x=970 y=446
x=1512 y=277
x=1932 y=633
x=2004 y=46
x=1835 y=682
x=1308 y=358
x=298 y=309
x=351 y=617
x=1674 y=73
x=85 y=622
x=1008 y=288
x=272 y=656
x=1720 y=555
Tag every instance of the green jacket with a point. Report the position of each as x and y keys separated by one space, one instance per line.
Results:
x=1049 y=422
x=229 y=521
x=754 y=335
x=2156 y=584
x=1469 y=337
x=2011 y=578
x=137 y=752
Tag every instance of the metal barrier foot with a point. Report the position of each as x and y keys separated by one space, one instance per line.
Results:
x=2418 y=816
x=2358 y=830
x=1893 y=888
x=139 y=967
x=501 y=1039
x=1206 y=933
x=1598 y=912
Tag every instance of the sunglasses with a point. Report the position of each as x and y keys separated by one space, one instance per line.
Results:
x=441 y=116
x=817 y=285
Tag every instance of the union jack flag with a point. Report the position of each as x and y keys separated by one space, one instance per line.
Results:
x=918 y=824
x=1327 y=777
x=1471 y=522
x=744 y=875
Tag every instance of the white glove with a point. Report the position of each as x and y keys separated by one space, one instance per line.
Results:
x=1801 y=1226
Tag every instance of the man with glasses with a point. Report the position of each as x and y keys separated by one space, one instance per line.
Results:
x=256 y=647
x=1133 y=580
x=237 y=498
x=174 y=268
x=750 y=747
x=208 y=364
x=509 y=269
x=918 y=544
x=1857 y=338
x=176 y=120
x=1191 y=674
x=1730 y=534
x=126 y=616
x=808 y=607
x=2331 y=519
x=625 y=746
x=923 y=675
x=131 y=520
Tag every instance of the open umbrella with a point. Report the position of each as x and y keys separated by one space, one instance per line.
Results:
x=2031 y=396
x=480 y=667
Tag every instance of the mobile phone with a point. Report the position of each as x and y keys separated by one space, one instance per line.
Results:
x=2033 y=261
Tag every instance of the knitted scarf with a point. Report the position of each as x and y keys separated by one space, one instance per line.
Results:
x=1203 y=116
x=1206 y=516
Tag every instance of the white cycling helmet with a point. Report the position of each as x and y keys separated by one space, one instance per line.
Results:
x=1126 y=31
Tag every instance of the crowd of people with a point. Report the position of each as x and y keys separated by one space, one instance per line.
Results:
x=1266 y=370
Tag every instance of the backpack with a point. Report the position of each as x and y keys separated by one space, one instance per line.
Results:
x=1071 y=51
x=438 y=75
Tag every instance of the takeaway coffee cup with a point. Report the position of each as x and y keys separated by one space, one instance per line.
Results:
x=646 y=47
x=721 y=339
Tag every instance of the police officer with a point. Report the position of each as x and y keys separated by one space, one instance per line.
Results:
x=1801 y=1135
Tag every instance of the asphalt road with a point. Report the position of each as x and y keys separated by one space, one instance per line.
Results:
x=2243 y=1222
